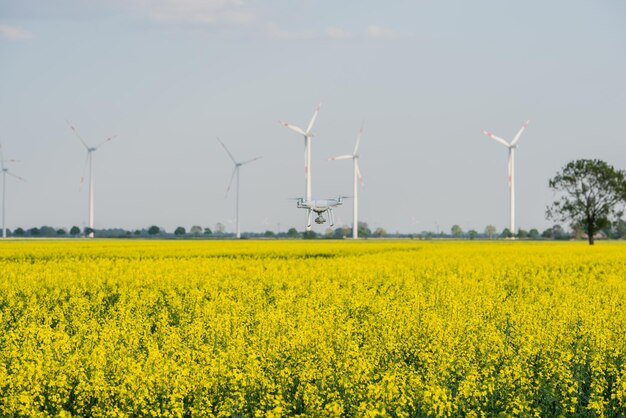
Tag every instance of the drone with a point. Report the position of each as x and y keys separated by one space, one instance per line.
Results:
x=319 y=206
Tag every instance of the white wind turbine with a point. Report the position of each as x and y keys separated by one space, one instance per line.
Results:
x=357 y=178
x=236 y=172
x=5 y=172
x=308 y=134
x=89 y=160
x=511 y=146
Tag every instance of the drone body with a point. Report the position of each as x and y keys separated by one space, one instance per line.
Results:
x=319 y=206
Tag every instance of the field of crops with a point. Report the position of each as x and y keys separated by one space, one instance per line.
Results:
x=118 y=328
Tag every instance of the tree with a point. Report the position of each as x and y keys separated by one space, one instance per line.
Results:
x=269 y=234
x=153 y=230
x=533 y=233
x=74 y=231
x=19 y=232
x=180 y=231
x=195 y=230
x=490 y=231
x=591 y=194
x=47 y=231
x=363 y=230
x=34 y=231
x=61 y=231
x=309 y=235
x=220 y=228
x=619 y=229
x=456 y=231
x=207 y=231
x=89 y=231
x=522 y=233
x=380 y=232
x=472 y=234
x=506 y=233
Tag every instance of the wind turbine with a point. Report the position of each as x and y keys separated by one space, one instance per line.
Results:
x=308 y=134
x=5 y=172
x=511 y=146
x=89 y=160
x=236 y=172
x=357 y=178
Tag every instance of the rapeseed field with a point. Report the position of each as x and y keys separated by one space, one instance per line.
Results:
x=255 y=328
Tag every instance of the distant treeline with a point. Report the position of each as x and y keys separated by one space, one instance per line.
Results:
x=615 y=231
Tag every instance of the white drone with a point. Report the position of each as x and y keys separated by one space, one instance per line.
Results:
x=319 y=206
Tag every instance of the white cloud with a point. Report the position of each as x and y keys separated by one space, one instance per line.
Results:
x=379 y=32
x=337 y=33
x=275 y=32
x=224 y=12
x=12 y=33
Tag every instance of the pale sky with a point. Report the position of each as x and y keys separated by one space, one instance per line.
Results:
x=169 y=76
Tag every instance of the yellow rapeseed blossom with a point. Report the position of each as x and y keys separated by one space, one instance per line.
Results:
x=312 y=328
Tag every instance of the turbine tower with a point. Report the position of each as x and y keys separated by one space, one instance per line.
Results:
x=511 y=167
x=357 y=178
x=89 y=160
x=236 y=172
x=5 y=172
x=308 y=134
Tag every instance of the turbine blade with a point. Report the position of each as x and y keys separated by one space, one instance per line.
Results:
x=341 y=157
x=524 y=126
x=77 y=134
x=358 y=140
x=293 y=128
x=228 y=152
x=250 y=160
x=317 y=111
x=105 y=141
x=500 y=140
x=16 y=176
x=358 y=173
x=230 y=183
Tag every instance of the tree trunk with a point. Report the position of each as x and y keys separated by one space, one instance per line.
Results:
x=590 y=233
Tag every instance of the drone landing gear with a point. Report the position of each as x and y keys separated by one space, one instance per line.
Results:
x=331 y=217
x=308 y=219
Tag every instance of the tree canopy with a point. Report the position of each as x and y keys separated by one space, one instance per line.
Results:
x=590 y=194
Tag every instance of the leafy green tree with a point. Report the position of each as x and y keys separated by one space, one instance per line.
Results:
x=380 y=232
x=363 y=229
x=33 y=232
x=47 y=231
x=154 y=230
x=74 y=231
x=207 y=231
x=309 y=235
x=619 y=229
x=456 y=231
x=591 y=194
x=292 y=233
x=490 y=231
x=19 y=232
x=506 y=233
x=533 y=233
x=89 y=230
x=195 y=230
x=269 y=234
x=61 y=231
x=522 y=233
x=180 y=231
x=472 y=234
